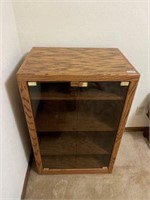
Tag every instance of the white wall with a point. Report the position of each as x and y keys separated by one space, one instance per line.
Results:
x=90 y=24
x=15 y=145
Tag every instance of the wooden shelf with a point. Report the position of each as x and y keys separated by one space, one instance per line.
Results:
x=72 y=143
x=73 y=162
x=57 y=92
x=71 y=121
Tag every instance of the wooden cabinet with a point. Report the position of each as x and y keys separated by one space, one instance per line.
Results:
x=76 y=102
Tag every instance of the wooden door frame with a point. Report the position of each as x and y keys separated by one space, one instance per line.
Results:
x=126 y=109
x=25 y=96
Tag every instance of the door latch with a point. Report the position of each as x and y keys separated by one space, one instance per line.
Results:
x=78 y=84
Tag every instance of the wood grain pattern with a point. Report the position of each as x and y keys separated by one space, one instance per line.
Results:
x=30 y=122
x=127 y=106
x=74 y=64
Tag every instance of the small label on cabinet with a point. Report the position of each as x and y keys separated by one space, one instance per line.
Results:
x=124 y=83
x=32 y=83
x=131 y=71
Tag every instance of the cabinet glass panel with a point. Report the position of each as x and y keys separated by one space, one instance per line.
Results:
x=77 y=122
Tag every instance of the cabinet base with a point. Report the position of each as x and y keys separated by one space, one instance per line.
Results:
x=75 y=171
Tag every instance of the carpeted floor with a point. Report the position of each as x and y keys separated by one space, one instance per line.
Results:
x=130 y=179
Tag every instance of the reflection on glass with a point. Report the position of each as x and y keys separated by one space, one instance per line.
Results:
x=77 y=126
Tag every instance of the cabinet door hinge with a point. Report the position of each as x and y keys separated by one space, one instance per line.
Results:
x=123 y=83
x=32 y=83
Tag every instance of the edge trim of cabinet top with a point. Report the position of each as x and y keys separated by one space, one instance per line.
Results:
x=76 y=64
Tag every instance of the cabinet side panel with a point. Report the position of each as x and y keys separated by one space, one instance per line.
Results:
x=30 y=122
x=127 y=106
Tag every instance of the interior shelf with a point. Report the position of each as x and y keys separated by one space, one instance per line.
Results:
x=62 y=116
x=65 y=92
x=76 y=143
x=75 y=162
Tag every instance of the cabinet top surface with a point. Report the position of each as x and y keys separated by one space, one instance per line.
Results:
x=43 y=63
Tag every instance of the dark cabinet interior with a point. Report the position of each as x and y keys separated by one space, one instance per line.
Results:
x=77 y=124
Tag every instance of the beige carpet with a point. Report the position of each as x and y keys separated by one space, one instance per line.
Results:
x=130 y=179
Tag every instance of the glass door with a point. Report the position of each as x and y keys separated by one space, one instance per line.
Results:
x=99 y=109
x=54 y=107
x=76 y=122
